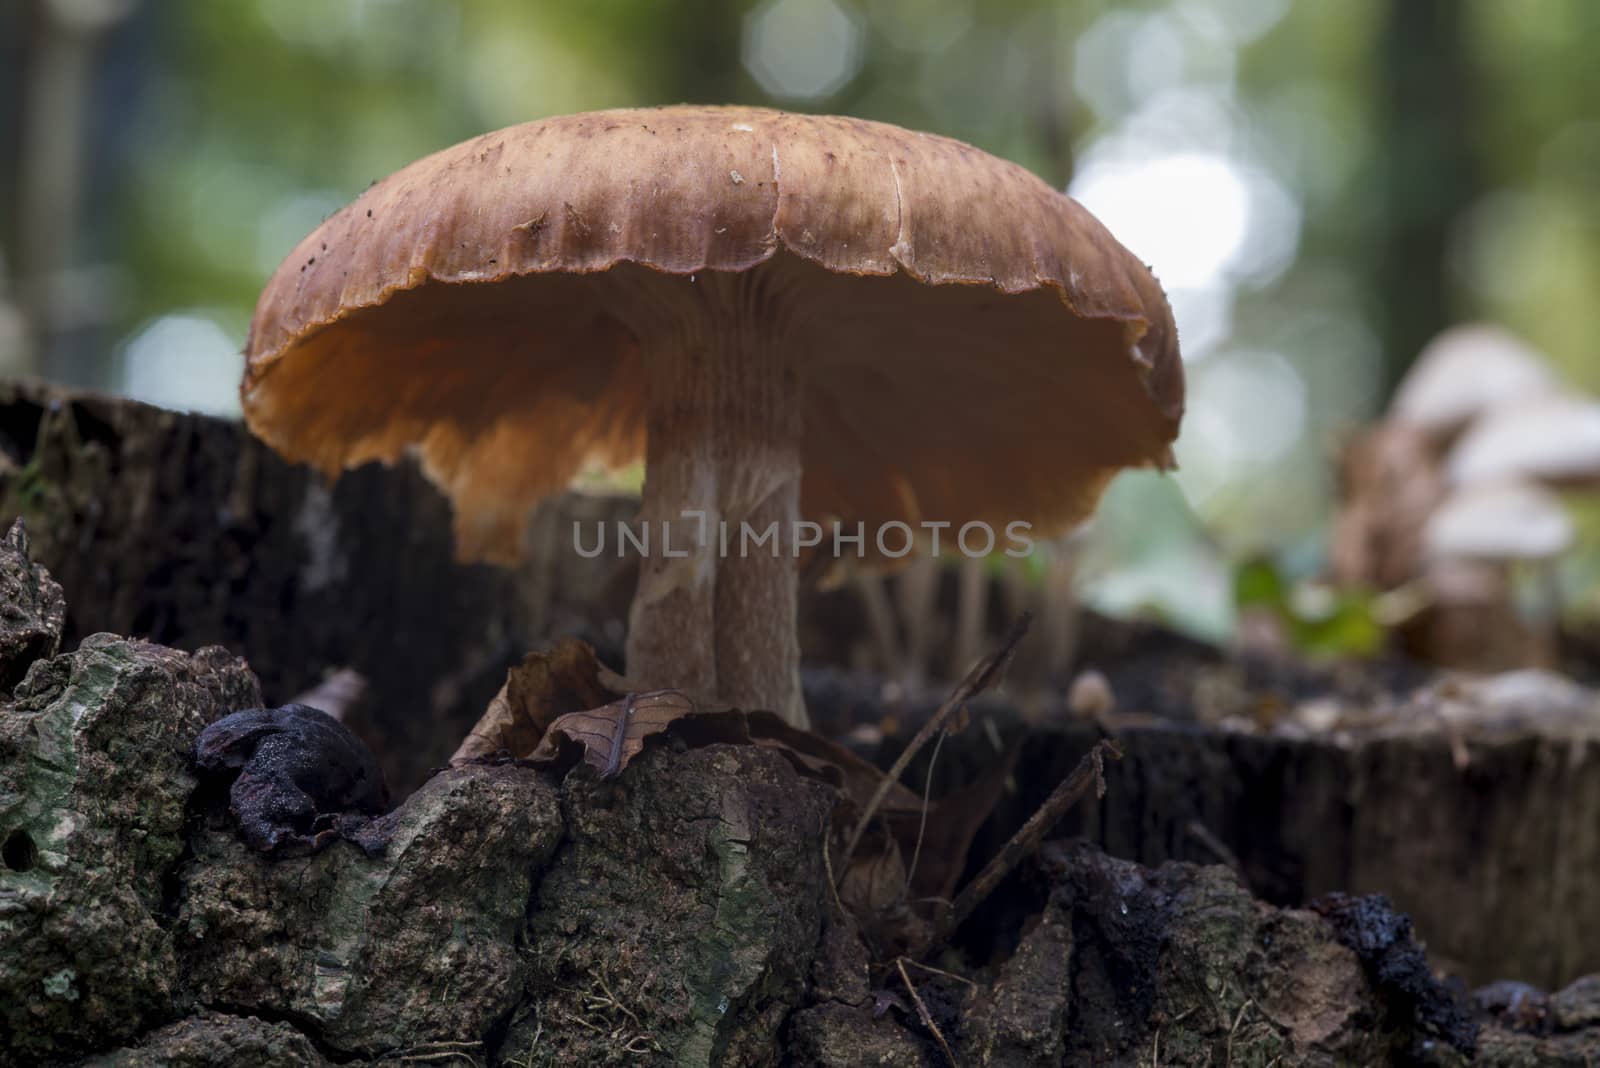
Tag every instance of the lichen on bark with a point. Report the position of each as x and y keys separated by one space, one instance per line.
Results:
x=683 y=910
x=94 y=782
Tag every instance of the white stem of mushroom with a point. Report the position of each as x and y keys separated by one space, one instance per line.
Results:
x=716 y=617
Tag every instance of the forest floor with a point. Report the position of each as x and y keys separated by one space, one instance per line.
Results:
x=1271 y=863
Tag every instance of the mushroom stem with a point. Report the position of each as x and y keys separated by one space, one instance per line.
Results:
x=714 y=613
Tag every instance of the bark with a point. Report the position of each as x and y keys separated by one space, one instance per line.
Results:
x=1505 y=844
x=94 y=784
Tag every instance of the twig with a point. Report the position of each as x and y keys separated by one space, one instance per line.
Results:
x=613 y=766
x=938 y=971
x=582 y=1022
x=1090 y=771
x=927 y=1020
x=1228 y=1058
x=441 y=1052
x=612 y=999
x=833 y=885
x=922 y=820
x=980 y=678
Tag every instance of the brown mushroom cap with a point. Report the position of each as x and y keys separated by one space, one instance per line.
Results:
x=975 y=345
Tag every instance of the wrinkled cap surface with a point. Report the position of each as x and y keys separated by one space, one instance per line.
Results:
x=975 y=346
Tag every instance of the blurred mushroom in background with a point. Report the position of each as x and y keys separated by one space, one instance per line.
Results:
x=1450 y=501
x=1474 y=544
x=1389 y=483
x=908 y=637
x=1464 y=372
x=1552 y=439
x=1046 y=585
x=913 y=644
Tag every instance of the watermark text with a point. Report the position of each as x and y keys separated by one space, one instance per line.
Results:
x=694 y=533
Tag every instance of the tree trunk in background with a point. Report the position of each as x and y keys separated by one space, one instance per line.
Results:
x=1427 y=170
x=701 y=65
x=1049 y=97
x=64 y=296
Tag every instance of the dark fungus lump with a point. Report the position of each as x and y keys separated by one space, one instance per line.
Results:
x=296 y=777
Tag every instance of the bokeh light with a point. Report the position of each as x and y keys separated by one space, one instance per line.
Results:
x=802 y=49
x=186 y=361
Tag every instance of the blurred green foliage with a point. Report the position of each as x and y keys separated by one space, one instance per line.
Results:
x=1317 y=619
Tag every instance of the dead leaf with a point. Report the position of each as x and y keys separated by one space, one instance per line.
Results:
x=614 y=734
x=875 y=881
x=814 y=754
x=545 y=686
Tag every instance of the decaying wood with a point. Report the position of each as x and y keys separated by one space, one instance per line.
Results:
x=184 y=530
x=122 y=503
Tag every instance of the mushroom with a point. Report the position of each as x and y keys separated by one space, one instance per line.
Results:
x=1502 y=522
x=1389 y=484
x=1473 y=542
x=1466 y=371
x=742 y=296
x=1392 y=474
x=1552 y=439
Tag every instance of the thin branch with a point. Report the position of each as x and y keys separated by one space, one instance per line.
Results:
x=1089 y=772
x=980 y=678
x=922 y=820
x=833 y=885
x=938 y=971
x=1228 y=1056
x=927 y=1019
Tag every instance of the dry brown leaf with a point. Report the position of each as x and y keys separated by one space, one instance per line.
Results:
x=875 y=881
x=545 y=686
x=614 y=734
x=855 y=777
